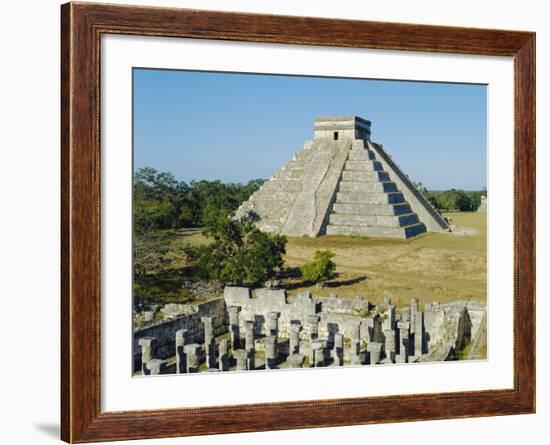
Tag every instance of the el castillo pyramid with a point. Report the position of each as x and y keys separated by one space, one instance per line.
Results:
x=342 y=183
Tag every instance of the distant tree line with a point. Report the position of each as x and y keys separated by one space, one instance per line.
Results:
x=454 y=200
x=161 y=202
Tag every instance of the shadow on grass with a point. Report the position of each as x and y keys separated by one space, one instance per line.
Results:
x=349 y=282
x=294 y=272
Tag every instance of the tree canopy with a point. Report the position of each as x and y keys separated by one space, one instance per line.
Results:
x=162 y=202
x=239 y=253
x=453 y=200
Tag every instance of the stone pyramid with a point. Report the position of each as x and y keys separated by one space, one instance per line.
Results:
x=342 y=183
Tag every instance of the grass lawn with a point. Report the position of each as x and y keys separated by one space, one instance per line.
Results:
x=432 y=267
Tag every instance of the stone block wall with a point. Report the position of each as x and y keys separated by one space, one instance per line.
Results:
x=337 y=314
x=165 y=332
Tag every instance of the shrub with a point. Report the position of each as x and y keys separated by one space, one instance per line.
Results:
x=321 y=268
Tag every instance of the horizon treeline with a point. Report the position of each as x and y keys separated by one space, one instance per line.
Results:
x=161 y=202
x=453 y=200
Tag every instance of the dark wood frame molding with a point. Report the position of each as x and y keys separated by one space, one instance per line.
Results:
x=82 y=25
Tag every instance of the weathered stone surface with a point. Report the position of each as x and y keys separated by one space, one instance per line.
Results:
x=147 y=345
x=193 y=356
x=483 y=206
x=271 y=355
x=317 y=327
x=272 y=323
x=450 y=328
x=165 y=331
x=234 y=327
x=223 y=355
x=318 y=347
x=241 y=356
x=155 y=366
x=294 y=339
x=338 y=351
x=296 y=360
x=181 y=359
x=209 y=341
x=390 y=345
x=375 y=351
x=342 y=183
x=249 y=335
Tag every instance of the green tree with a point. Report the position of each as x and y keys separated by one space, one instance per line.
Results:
x=161 y=202
x=240 y=253
x=320 y=269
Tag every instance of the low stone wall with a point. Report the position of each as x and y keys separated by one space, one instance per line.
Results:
x=336 y=315
x=165 y=332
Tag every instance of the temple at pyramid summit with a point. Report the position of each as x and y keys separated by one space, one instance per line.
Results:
x=342 y=183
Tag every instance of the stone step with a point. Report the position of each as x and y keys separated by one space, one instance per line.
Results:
x=373 y=220
x=364 y=186
x=364 y=166
x=369 y=198
x=361 y=155
x=371 y=209
x=277 y=208
x=350 y=175
x=274 y=195
x=377 y=231
x=291 y=174
x=284 y=185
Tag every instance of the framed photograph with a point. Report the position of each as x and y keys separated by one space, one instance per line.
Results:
x=274 y=222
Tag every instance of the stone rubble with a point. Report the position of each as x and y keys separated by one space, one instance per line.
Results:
x=303 y=331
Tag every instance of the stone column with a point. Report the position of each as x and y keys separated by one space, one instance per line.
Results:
x=181 y=360
x=418 y=334
x=209 y=341
x=294 y=338
x=249 y=335
x=296 y=360
x=318 y=353
x=389 y=322
x=403 y=355
x=148 y=344
x=224 y=356
x=356 y=331
x=270 y=343
x=155 y=366
x=338 y=351
x=375 y=350
x=273 y=323
x=406 y=314
x=389 y=345
x=355 y=353
x=413 y=311
x=234 y=326
x=192 y=354
x=313 y=323
x=241 y=355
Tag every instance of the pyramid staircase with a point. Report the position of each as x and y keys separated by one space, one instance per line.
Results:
x=368 y=203
x=342 y=183
x=295 y=200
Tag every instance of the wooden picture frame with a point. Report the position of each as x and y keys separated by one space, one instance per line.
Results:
x=82 y=26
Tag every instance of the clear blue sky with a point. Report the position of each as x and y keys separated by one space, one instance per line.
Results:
x=237 y=127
